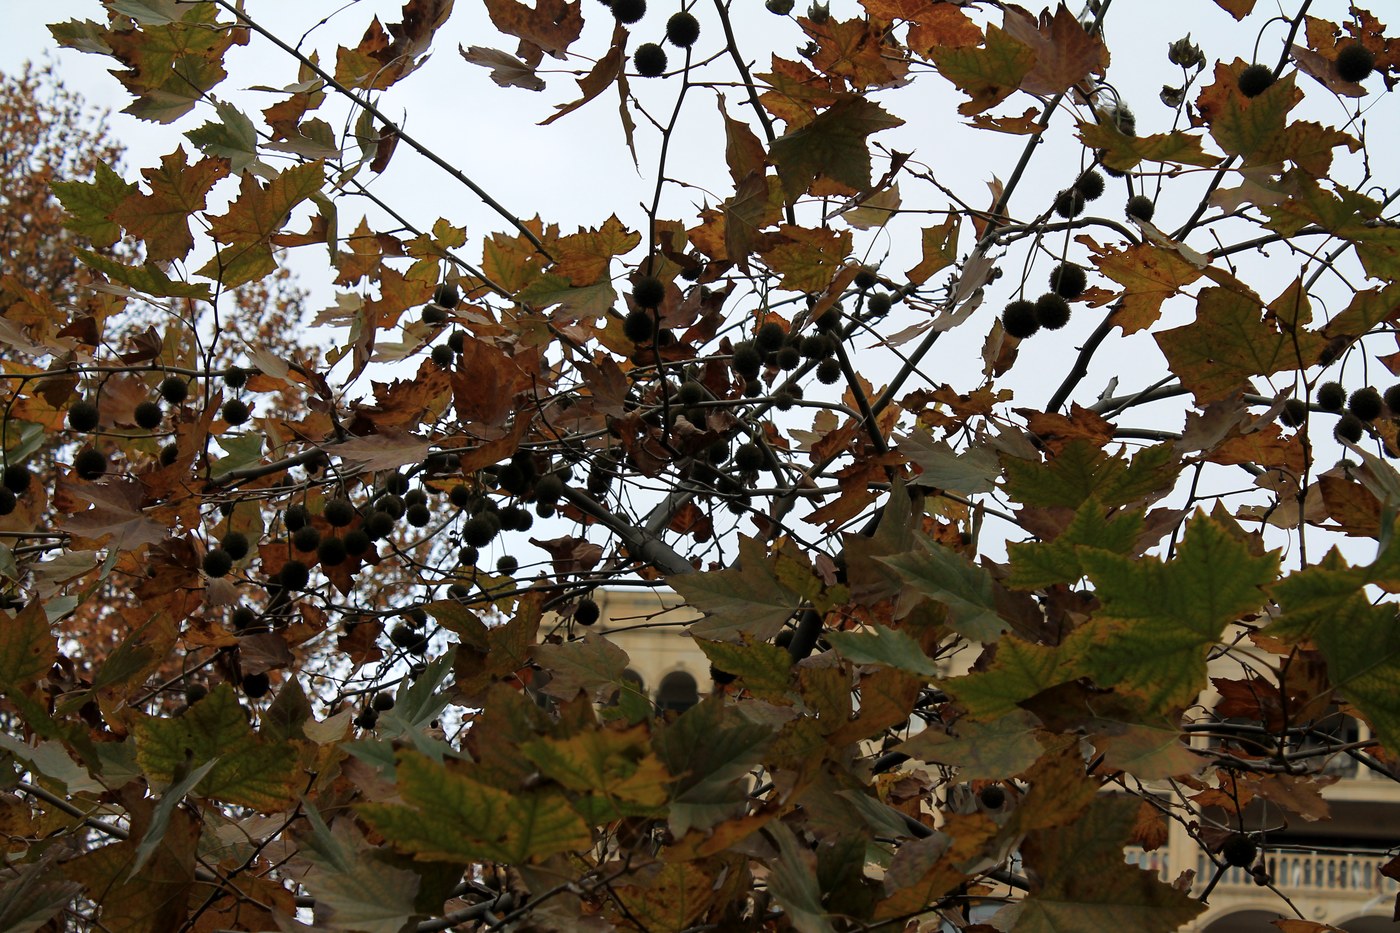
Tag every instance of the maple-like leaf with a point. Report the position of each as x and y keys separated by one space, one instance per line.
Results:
x=988 y=74
x=947 y=577
x=1081 y=881
x=355 y=888
x=1149 y=276
x=807 y=259
x=1159 y=619
x=551 y=25
x=991 y=749
x=832 y=148
x=748 y=599
x=1065 y=52
x=91 y=204
x=506 y=69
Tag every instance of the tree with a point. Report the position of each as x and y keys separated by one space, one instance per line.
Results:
x=960 y=638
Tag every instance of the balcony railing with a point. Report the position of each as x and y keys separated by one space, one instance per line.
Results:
x=1304 y=873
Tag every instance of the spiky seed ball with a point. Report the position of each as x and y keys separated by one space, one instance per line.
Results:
x=1354 y=62
x=7 y=501
x=331 y=552
x=90 y=464
x=217 y=563
x=467 y=555
x=379 y=524
x=460 y=496
x=457 y=342
x=1349 y=428
x=1070 y=203
x=459 y=592
x=829 y=320
x=403 y=635
x=1239 y=850
x=650 y=62
x=478 y=532
x=174 y=389
x=396 y=483
x=1331 y=396
x=769 y=336
x=690 y=393
x=549 y=488
x=1090 y=184
x=789 y=358
x=866 y=278
x=242 y=619
x=82 y=416
x=294 y=575
x=784 y=399
x=682 y=29
x=586 y=612
x=194 y=693
x=443 y=356
x=829 y=371
x=1255 y=80
x=296 y=517
x=391 y=505
x=1365 y=403
x=507 y=564
x=879 y=304
x=339 y=513
x=382 y=702
x=1294 y=413
x=357 y=542
x=747 y=361
x=1018 y=319
x=815 y=347
x=307 y=538
x=149 y=415
x=1051 y=311
x=1392 y=399
x=648 y=292
x=1068 y=280
x=639 y=326
x=418 y=515
x=545 y=509
x=255 y=686
x=446 y=294
x=753 y=388
x=236 y=377
x=235 y=544
x=748 y=457
x=16 y=478
x=169 y=454
x=235 y=411
x=992 y=796
x=779 y=7
x=434 y=316
x=1140 y=207
x=629 y=11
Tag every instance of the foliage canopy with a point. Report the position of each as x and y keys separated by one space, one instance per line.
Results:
x=275 y=640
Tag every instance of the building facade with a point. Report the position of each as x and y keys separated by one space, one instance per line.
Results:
x=1329 y=869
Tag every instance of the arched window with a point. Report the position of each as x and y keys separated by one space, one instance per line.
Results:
x=677 y=692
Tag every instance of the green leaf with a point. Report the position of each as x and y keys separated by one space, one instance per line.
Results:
x=747 y=599
x=711 y=746
x=91 y=204
x=1082 y=470
x=1124 y=152
x=248 y=771
x=884 y=645
x=1159 y=620
x=148 y=279
x=947 y=577
x=1021 y=670
x=1080 y=880
x=616 y=765
x=832 y=145
x=448 y=815
x=232 y=138
x=591 y=664
x=972 y=471
x=988 y=74
x=354 y=888
x=160 y=817
x=31 y=898
x=793 y=880
x=998 y=748
x=764 y=669
x=1040 y=564
x=550 y=289
x=1253 y=127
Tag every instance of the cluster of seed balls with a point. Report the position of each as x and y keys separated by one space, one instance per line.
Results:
x=84 y=418
x=1354 y=62
x=682 y=30
x=1362 y=407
